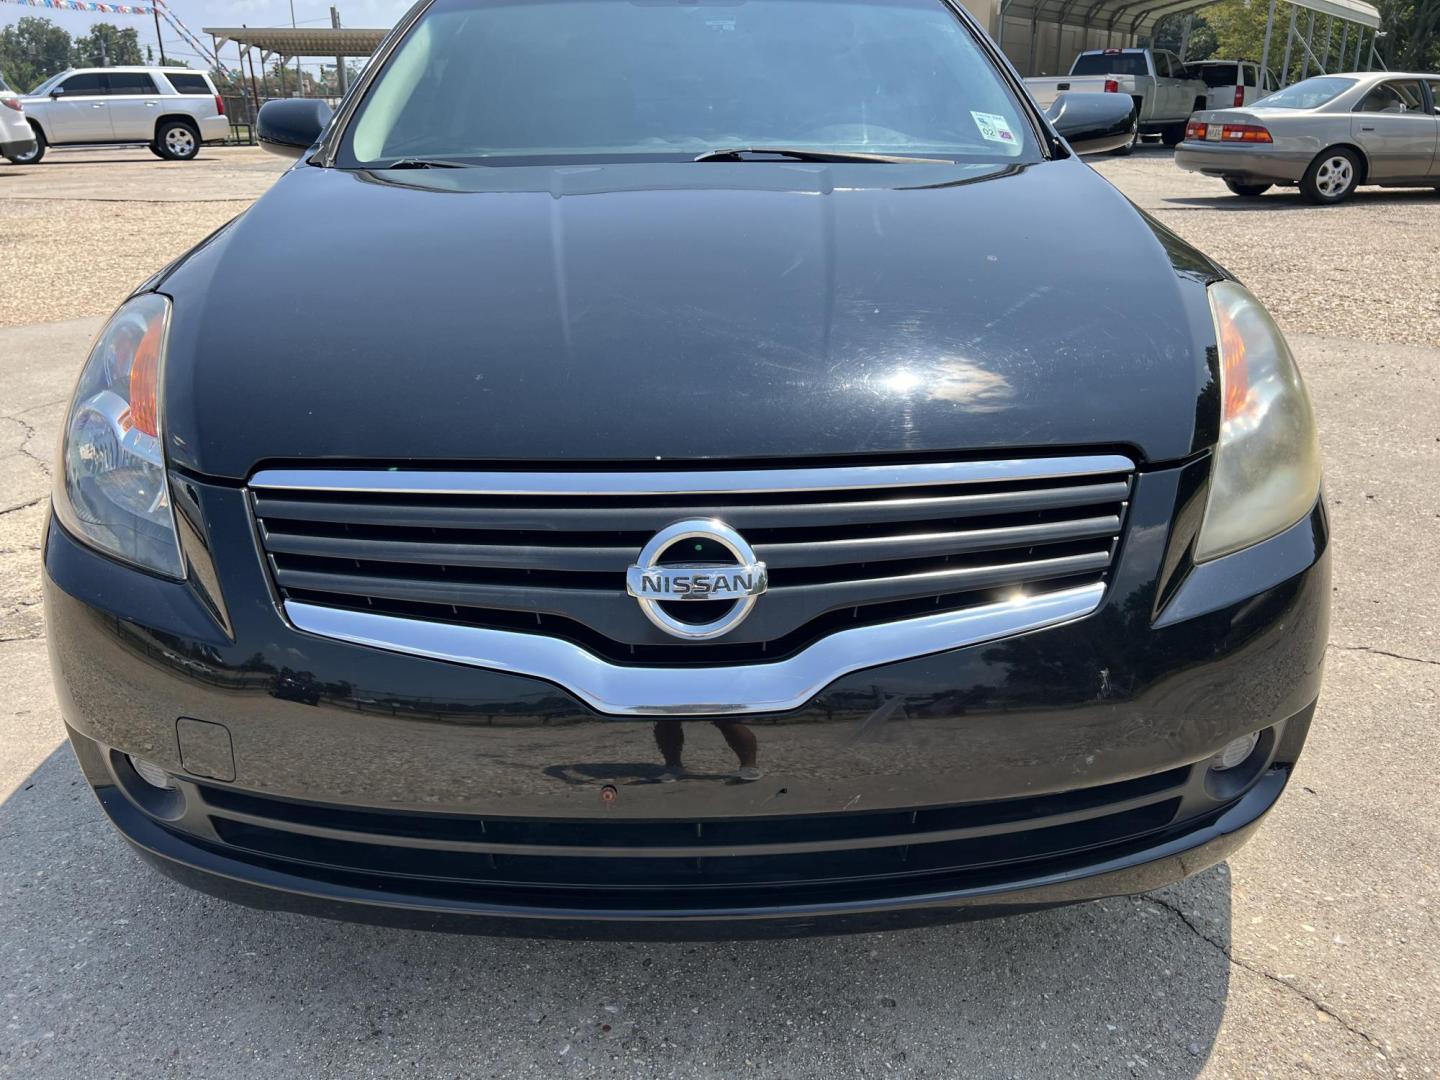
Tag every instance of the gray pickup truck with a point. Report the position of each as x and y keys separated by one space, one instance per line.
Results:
x=1165 y=94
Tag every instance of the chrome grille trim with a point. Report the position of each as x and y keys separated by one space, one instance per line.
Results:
x=621 y=690
x=693 y=482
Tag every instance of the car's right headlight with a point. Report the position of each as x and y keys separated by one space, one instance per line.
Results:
x=1266 y=471
x=111 y=490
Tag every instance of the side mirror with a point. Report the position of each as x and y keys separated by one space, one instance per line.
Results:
x=290 y=127
x=1093 y=123
x=58 y=91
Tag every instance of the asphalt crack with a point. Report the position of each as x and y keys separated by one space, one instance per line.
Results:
x=1226 y=951
x=23 y=506
x=1385 y=652
x=28 y=433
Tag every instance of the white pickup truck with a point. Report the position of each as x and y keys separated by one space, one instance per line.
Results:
x=1165 y=93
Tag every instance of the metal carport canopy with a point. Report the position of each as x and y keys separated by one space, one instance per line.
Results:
x=1138 y=16
x=302 y=41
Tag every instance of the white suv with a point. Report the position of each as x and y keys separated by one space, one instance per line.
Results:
x=171 y=110
x=16 y=138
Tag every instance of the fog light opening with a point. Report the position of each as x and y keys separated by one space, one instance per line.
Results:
x=151 y=773
x=1236 y=752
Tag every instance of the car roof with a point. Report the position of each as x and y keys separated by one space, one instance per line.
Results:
x=138 y=67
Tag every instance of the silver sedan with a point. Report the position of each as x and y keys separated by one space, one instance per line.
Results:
x=1328 y=134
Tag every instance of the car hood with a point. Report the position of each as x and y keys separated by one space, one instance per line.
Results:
x=655 y=312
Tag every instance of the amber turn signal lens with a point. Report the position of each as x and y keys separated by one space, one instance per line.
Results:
x=145 y=381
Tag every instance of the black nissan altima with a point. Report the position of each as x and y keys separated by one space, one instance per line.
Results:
x=660 y=468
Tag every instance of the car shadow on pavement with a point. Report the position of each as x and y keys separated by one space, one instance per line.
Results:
x=112 y=968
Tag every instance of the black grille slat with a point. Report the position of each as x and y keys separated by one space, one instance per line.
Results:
x=784 y=610
x=630 y=515
x=777 y=556
x=837 y=556
x=726 y=854
x=509 y=556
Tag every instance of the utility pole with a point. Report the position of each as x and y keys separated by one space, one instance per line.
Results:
x=155 y=10
x=299 y=76
x=340 y=73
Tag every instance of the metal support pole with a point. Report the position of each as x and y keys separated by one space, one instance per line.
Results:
x=1329 y=33
x=1030 y=59
x=1310 y=54
x=1305 y=45
x=249 y=54
x=1269 y=30
x=340 y=73
x=1359 y=41
x=1344 y=41
x=1185 y=28
x=1289 y=43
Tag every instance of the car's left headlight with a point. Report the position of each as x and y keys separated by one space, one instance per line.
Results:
x=1266 y=470
x=111 y=489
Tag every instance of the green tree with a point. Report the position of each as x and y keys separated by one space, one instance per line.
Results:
x=106 y=45
x=31 y=51
x=1170 y=32
x=1412 y=40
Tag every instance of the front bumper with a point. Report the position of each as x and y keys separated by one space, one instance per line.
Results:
x=1060 y=765
x=1244 y=163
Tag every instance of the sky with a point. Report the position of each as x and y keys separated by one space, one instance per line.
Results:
x=197 y=14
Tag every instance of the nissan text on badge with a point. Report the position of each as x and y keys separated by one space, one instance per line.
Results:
x=700 y=499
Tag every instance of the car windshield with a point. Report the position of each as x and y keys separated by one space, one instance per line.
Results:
x=1117 y=63
x=1310 y=94
x=500 y=82
x=46 y=86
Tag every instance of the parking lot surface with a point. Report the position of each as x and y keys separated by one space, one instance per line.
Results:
x=1314 y=951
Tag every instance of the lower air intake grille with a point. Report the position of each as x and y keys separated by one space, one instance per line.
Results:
x=546 y=552
x=589 y=863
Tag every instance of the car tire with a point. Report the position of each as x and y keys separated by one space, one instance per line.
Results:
x=1248 y=191
x=33 y=158
x=1332 y=177
x=177 y=141
x=1128 y=148
x=1174 y=134
x=154 y=148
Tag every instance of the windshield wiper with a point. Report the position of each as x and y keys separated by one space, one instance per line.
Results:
x=425 y=163
x=742 y=153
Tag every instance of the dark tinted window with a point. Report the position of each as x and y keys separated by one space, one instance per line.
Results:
x=1215 y=74
x=1110 y=64
x=1396 y=96
x=491 y=80
x=188 y=84
x=1435 y=94
x=130 y=82
x=1248 y=74
x=83 y=84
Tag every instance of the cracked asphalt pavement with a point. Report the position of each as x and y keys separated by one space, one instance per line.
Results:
x=1314 y=951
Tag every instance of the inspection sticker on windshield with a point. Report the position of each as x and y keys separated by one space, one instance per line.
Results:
x=993 y=127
